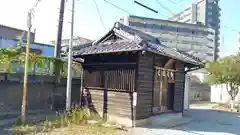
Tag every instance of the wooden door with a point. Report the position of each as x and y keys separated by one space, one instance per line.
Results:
x=161 y=94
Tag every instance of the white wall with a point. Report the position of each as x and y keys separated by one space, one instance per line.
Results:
x=187 y=93
x=6 y=43
x=219 y=94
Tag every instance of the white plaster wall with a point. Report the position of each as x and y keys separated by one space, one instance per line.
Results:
x=200 y=75
x=186 y=93
x=219 y=94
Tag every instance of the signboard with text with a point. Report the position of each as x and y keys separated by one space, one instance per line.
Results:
x=166 y=73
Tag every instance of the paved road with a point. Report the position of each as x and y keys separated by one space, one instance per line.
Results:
x=204 y=121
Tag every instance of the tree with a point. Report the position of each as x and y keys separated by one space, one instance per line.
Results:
x=10 y=54
x=226 y=71
x=37 y=63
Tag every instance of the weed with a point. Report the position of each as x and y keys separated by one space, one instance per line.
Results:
x=76 y=118
x=18 y=122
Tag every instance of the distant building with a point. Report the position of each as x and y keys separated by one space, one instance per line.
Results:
x=76 y=41
x=205 y=12
x=39 y=48
x=45 y=49
x=10 y=33
x=219 y=94
x=195 y=39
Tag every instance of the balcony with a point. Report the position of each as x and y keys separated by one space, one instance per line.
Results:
x=217 y=32
x=218 y=13
x=218 y=8
x=217 y=44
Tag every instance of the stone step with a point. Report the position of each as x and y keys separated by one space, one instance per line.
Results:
x=168 y=120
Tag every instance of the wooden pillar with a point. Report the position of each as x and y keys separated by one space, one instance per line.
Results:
x=179 y=87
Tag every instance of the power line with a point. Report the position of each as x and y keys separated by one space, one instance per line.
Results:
x=163 y=6
x=145 y=6
x=32 y=12
x=233 y=29
x=172 y=1
x=118 y=7
x=99 y=14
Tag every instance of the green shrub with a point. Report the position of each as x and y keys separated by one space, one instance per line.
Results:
x=75 y=116
x=18 y=122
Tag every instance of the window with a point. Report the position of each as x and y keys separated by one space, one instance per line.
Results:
x=209 y=19
x=210 y=1
x=209 y=13
x=210 y=7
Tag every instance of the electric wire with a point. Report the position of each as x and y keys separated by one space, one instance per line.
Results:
x=118 y=7
x=172 y=1
x=163 y=6
x=233 y=29
x=99 y=14
x=32 y=12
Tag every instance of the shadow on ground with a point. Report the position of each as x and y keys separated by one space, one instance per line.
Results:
x=206 y=122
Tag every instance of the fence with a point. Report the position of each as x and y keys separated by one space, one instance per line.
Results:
x=47 y=68
x=111 y=79
x=42 y=92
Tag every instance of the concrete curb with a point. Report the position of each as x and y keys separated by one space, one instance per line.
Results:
x=36 y=117
x=19 y=112
x=11 y=115
x=7 y=122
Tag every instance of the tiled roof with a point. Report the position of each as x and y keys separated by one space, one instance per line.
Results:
x=133 y=40
x=166 y=51
x=189 y=55
x=117 y=46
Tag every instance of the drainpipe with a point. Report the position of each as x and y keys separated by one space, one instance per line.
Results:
x=185 y=72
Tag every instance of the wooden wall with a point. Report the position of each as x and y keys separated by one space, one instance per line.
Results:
x=179 y=88
x=107 y=102
x=179 y=91
x=144 y=86
x=110 y=81
x=119 y=103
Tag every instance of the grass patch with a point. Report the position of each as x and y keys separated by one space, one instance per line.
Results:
x=92 y=129
x=203 y=103
x=78 y=120
x=227 y=107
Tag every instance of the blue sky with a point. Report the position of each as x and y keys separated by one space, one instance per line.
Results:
x=87 y=22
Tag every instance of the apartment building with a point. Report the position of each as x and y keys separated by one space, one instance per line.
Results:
x=10 y=33
x=205 y=12
x=195 y=39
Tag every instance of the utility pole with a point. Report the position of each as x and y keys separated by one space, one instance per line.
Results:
x=59 y=32
x=57 y=50
x=24 y=100
x=69 y=78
